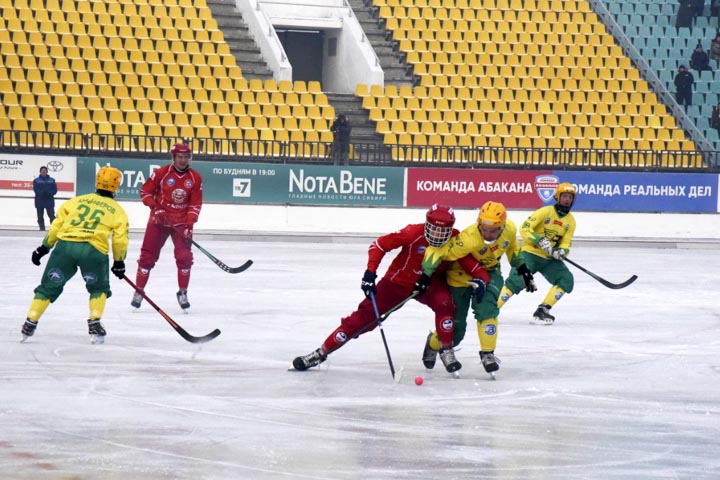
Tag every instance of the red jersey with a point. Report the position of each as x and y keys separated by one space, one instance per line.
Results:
x=179 y=194
x=406 y=268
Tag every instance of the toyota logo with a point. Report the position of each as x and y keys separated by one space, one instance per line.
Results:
x=55 y=166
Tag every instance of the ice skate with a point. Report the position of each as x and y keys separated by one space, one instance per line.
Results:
x=312 y=359
x=96 y=330
x=490 y=362
x=28 y=329
x=183 y=300
x=136 y=300
x=429 y=355
x=447 y=355
x=542 y=315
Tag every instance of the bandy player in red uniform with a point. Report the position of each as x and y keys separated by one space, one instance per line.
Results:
x=402 y=278
x=174 y=195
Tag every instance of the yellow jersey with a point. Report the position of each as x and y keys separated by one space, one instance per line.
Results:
x=545 y=222
x=470 y=242
x=91 y=218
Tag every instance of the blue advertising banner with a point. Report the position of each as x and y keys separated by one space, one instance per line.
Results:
x=643 y=191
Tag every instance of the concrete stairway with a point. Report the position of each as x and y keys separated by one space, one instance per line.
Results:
x=397 y=71
x=242 y=45
x=363 y=129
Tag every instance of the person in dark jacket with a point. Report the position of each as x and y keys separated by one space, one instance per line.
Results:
x=714 y=8
x=45 y=189
x=715 y=48
x=715 y=118
x=699 y=60
x=698 y=7
x=685 y=14
x=684 y=81
x=341 y=139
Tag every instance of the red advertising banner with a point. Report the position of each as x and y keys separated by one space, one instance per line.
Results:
x=465 y=188
x=28 y=185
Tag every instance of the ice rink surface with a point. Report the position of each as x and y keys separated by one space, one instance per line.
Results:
x=625 y=385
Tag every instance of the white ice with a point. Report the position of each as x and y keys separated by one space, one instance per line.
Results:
x=625 y=385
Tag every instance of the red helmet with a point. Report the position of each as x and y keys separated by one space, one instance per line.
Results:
x=180 y=148
x=439 y=222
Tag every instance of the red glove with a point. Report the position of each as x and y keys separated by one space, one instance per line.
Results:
x=187 y=231
x=160 y=215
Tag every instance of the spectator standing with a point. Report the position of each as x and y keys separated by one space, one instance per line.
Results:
x=714 y=8
x=684 y=81
x=45 y=189
x=698 y=7
x=341 y=139
x=685 y=14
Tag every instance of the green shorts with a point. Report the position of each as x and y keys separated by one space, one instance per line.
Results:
x=64 y=261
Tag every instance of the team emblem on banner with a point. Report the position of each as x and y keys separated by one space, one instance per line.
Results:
x=545 y=186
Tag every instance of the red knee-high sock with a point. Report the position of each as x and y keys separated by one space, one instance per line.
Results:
x=335 y=340
x=183 y=278
x=142 y=277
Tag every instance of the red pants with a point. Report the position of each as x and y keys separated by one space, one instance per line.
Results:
x=388 y=295
x=155 y=238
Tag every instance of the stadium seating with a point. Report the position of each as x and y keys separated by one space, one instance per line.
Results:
x=140 y=67
x=546 y=64
x=493 y=73
x=665 y=48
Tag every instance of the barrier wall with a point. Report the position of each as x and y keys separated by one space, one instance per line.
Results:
x=279 y=198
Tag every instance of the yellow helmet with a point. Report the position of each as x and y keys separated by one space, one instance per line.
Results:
x=108 y=178
x=565 y=187
x=493 y=215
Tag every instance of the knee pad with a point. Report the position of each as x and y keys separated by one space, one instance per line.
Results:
x=184 y=259
x=566 y=284
x=146 y=262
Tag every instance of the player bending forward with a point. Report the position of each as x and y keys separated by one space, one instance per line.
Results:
x=80 y=235
x=485 y=241
x=398 y=283
x=547 y=235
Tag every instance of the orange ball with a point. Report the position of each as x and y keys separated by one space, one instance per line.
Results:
x=418 y=380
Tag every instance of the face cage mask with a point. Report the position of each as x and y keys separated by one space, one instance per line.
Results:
x=437 y=236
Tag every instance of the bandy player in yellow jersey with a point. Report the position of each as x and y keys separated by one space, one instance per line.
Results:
x=79 y=235
x=547 y=235
x=485 y=241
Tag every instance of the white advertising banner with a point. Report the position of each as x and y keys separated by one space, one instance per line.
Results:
x=17 y=173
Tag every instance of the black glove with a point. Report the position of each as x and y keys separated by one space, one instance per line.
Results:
x=39 y=252
x=118 y=269
x=527 y=278
x=478 y=285
x=421 y=285
x=368 y=283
